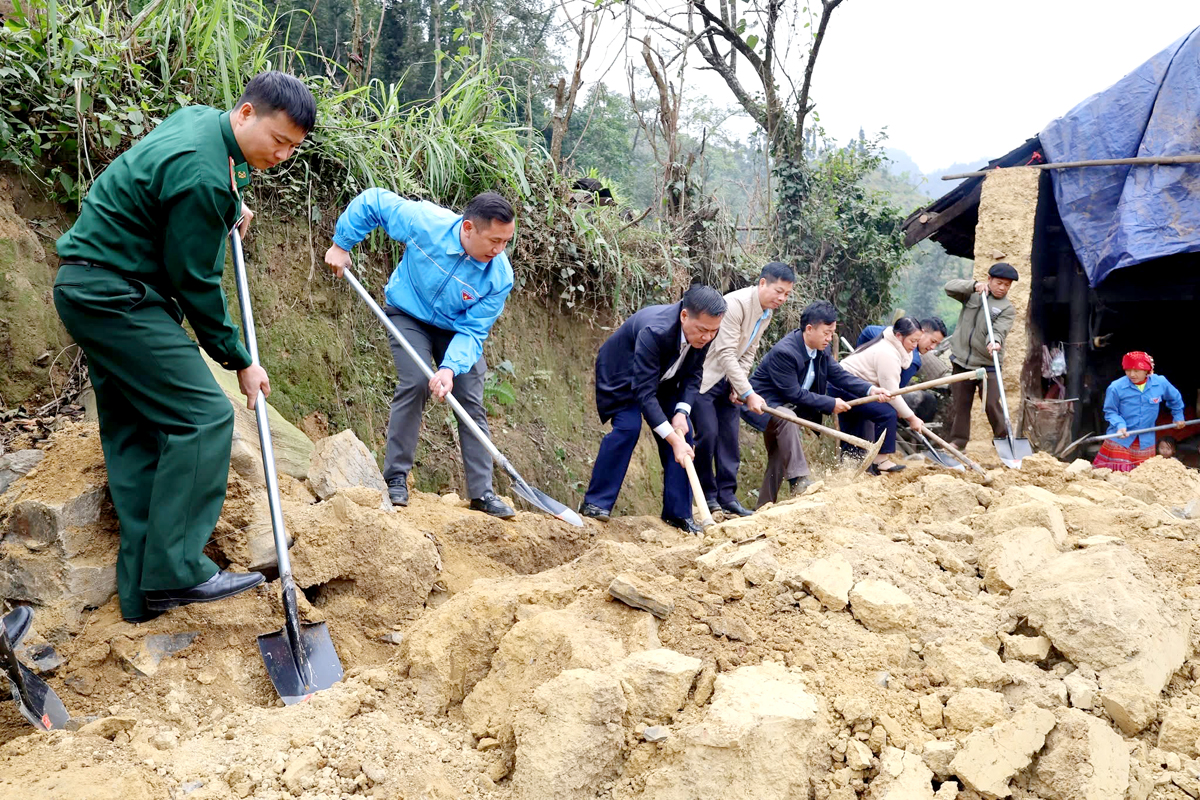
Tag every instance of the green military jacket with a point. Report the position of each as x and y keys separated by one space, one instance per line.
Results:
x=161 y=214
x=968 y=345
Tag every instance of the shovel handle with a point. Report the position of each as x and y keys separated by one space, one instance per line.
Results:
x=698 y=499
x=979 y=374
x=788 y=416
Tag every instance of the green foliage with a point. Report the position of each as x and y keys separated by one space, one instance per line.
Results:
x=918 y=287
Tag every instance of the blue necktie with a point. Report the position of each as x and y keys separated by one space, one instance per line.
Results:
x=754 y=331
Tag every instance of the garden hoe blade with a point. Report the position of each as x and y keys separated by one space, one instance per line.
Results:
x=300 y=659
x=36 y=700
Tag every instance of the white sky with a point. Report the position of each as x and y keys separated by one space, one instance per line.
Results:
x=957 y=80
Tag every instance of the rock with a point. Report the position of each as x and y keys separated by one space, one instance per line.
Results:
x=64 y=524
x=292 y=448
x=989 y=758
x=656 y=682
x=854 y=710
x=858 y=755
x=741 y=555
x=1026 y=648
x=449 y=649
x=1081 y=690
x=1078 y=467
x=1180 y=732
x=1033 y=514
x=109 y=727
x=711 y=561
x=1103 y=609
x=1131 y=706
x=1099 y=541
x=828 y=579
x=302 y=769
x=16 y=464
x=143 y=656
x=938 y=755
x=1013 y=555
x=760 y=738
x=533 y=652
x=643 y=593
x=570 y=741
x=451 y=499
x=971 y=709
x=962 y=664
x=727 y=583
x=947 y=497
x=655 y=734
x=342 y=461
x=761 y=568
x=1084 y=759
x=679 y=559
x=902 y=776
x=881 y=607
x=731 y=627
x=931 y=711
x=950 y=532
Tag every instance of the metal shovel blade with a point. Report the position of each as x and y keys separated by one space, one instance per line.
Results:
x=539 y=499
x=297 y=679
x=1012 y=450
x=938 y=457
x=34 y=697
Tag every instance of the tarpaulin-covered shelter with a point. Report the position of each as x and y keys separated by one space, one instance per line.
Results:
x=1115 y=258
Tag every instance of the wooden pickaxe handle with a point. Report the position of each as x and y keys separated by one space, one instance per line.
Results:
x=976 y=375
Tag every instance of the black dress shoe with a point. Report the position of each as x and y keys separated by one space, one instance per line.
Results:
x=16 y=624
x=398 y=490
x=734 y=507
x=685 y=524
x=491 y=503
x=595 y=512
x=146 y=617
x=875 y=470
x=218 y=587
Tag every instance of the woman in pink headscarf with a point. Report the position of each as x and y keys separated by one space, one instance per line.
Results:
x=1131 y=403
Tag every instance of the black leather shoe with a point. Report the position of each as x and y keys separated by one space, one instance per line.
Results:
x=685 y=524
x=595 y=512
x=218 y=587
x=799 y=484
x=491 y=503
x=16 y=624
x=875 y=470
x=398 y=491
x=737 y=508
x=149 y=615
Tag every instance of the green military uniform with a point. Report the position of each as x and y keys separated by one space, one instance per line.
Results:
x=147 y=250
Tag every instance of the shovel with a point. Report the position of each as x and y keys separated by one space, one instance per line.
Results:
x=937 y=456
x=300 y=657
x=954 y=451
x=1010 y=448
x=1089 y=438
x=36 y=700
x=872 y=449
x=535 y=497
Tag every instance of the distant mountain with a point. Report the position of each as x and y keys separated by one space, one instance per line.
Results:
x=931 y=185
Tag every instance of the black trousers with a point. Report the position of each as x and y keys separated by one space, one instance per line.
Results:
x=718 y=454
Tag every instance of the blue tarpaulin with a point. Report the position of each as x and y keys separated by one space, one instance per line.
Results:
x=1120 y=216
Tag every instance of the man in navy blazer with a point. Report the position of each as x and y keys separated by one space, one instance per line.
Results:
x=654 y=361
x=798 y=371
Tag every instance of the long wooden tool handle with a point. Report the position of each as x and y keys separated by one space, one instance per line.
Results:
x=698 y=498
x=954 y=451
x=803 y=423
x=979 y=374
x=1139 y=431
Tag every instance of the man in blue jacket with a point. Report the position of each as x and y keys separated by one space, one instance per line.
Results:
x=444 y=296
x=654 y=361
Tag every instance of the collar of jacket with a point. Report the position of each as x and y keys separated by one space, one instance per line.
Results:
x=889 y=336
x=241 y=171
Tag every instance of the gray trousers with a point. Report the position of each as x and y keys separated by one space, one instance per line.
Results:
x=412 y=391
x=785 y=458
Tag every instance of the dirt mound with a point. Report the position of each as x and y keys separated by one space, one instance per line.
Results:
x=913 y=636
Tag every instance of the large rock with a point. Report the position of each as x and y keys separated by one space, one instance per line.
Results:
x=1033 y=514
x=971 y=709
x=534 y=651
x=1103 y=609
x=828 y=579
x=962 y=664
x=1084 y=759
x=902 y=776
x=1014 y=554
x=1132 y=706
x=881 y=607
x=991 y=757
x=1180 y=732
x=342 y=461
x=570 y=741
x=292 y=448
x=656 y=683
x=449 y=649
x=756 y=741
x=16 y=464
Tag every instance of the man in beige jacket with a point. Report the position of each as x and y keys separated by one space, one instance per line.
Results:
x=726 y=384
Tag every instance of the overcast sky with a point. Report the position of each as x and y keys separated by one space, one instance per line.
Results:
x=964 y=80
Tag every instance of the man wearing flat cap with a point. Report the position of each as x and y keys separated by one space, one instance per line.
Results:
x=970 y=349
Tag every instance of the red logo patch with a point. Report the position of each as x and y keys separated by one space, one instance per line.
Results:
x=467 y=298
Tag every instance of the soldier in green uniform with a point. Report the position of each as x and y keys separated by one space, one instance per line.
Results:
x=148 y=251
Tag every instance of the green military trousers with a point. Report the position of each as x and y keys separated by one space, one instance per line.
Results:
x=165 y=426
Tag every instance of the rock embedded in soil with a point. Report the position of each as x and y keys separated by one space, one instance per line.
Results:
x=1026 y=648
x=342 y=461
x=828 y=579
x=991 y=757
x=642 y=593
x=1132 y=706
x=962 y=664
x=882 y=607
x=656 y=683
x=902 y=776
x=970 y=709
x=1083 y=759
x=761 y=568
x=1180 y=732
x=1014 y=554
x=17 y=464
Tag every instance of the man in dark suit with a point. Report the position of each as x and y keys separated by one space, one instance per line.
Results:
x=798 y=371
x=654 y=361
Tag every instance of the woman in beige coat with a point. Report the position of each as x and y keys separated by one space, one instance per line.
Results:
x=879 y=362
